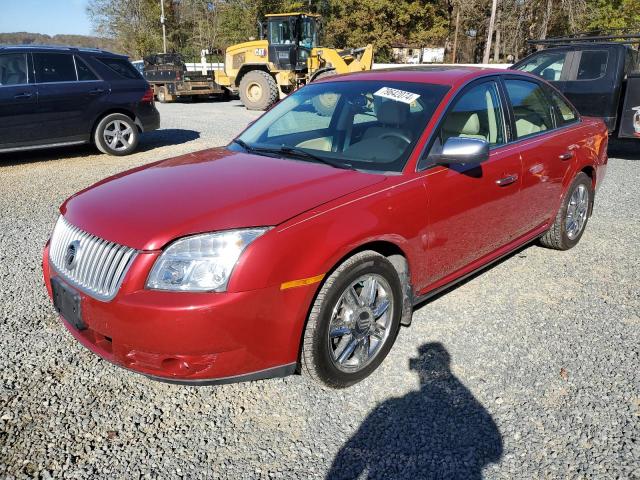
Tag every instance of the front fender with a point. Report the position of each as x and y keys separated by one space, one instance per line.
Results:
x=313 y=243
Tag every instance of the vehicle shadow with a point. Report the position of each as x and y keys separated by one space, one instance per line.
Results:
x=165 y=137
x=626 y=149
x=148 y=141
x=439 y=431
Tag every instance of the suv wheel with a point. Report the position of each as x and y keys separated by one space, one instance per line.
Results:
x=116 y=134
x=354 y=321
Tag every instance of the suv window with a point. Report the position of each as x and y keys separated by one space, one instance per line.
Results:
x=531 y=107
x=547 y=65
x=54 y=67
x=593 y=64
x=121 y=67
x=13 y=69
x=84 y=72
x=565 y=114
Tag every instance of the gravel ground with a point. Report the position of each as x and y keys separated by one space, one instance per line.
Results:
x=528 y=370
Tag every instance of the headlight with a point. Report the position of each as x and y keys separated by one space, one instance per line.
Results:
x=201 y=263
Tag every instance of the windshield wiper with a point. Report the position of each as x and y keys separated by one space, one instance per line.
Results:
x=243 y=144
x=295 y=151
x=300 y=152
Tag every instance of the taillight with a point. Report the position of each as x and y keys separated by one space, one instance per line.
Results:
x=148 y=96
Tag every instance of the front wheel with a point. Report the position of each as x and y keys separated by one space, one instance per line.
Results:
x=354 y=321
x=258 y=90
x=571 y=220
x=116 y=134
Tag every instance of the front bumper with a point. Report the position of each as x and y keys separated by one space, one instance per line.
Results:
x=196 y=338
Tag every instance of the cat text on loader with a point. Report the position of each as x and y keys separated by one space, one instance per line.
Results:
x=286 y=57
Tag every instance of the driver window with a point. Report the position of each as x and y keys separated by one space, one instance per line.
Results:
x=477 y=113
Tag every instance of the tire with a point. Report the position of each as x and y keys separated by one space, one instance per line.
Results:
x=258 y=90
x=578 y=203
x=325 y=104
x=105 y=132
x=164 y=96
x=336 y=311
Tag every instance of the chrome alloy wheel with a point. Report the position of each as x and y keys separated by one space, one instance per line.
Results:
x=360 y=323
x=118 y=135
x=577 y=211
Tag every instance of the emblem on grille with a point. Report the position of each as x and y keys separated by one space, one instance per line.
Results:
x=71 y=255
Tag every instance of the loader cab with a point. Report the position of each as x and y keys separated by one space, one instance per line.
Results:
x=291 y=38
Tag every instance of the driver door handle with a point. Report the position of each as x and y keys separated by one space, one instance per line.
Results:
x=508 y=180
x=23 y=95
x=96 y=91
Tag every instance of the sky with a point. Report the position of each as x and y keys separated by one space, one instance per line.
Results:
x=44 y=16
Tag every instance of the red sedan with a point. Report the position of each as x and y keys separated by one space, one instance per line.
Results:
x=305 y=243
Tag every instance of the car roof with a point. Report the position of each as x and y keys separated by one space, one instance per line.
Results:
x=451 y=75
x=57 y=49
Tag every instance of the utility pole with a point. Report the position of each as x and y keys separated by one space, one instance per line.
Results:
x=492 y=21
x=164 y=30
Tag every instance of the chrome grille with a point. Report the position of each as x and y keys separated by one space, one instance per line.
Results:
x=99 y=266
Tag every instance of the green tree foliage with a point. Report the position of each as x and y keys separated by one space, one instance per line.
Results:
x=382 y=23
x=133 y=26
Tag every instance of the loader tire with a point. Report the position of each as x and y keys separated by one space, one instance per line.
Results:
x=325 y=104
x=258 y=90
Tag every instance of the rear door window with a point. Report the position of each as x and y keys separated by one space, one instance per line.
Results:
x=121 y=66
x=532 y=109
x=592 y=65
x=84 y=72
x=564 y=113
x=54 y=67
x=13 y=69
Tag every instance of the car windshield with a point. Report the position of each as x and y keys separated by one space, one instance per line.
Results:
x=366 y=125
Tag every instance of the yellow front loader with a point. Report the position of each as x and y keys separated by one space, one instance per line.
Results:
x=286 y=57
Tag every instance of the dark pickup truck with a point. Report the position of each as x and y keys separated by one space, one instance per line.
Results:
x=168 y=76
x=600 y=75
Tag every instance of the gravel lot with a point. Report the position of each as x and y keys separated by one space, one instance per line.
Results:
x=528 y=370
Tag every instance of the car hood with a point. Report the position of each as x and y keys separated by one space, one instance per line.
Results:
x=206 y=191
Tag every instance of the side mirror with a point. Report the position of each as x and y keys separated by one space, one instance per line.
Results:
x=464 y=150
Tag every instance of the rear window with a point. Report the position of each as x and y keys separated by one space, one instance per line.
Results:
x=593 y=64
x=121 y=67
x=565 y=113
x=54 y=67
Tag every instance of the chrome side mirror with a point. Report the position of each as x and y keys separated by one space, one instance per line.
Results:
x=464 y=150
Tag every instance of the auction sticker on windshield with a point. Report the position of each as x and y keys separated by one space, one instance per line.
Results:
x=397 y=95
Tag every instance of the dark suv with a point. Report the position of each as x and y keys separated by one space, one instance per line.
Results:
x=55 y=96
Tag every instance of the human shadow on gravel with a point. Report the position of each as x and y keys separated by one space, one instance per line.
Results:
x=437 y=432
x=148 y=141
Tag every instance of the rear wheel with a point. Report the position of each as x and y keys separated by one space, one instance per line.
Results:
x=354 y=321
x=571 y=220
x=164 y=96
x=116 y=134
x=258 y=90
